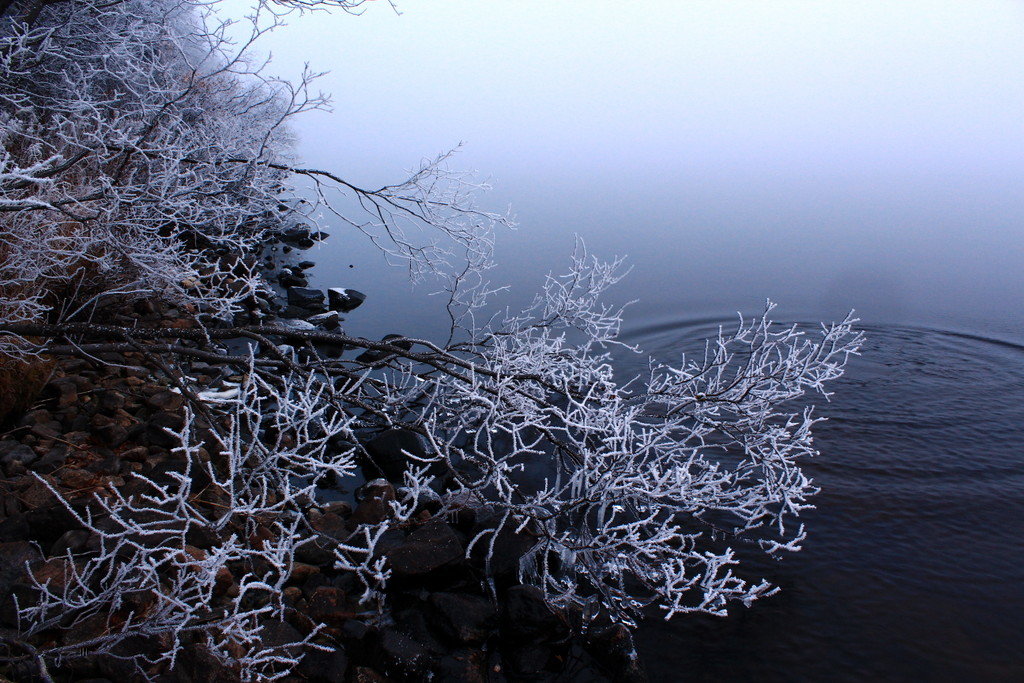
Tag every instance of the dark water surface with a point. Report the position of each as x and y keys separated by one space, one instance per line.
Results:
x=914 y=567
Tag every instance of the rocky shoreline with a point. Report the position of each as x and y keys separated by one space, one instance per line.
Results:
x=100 y=421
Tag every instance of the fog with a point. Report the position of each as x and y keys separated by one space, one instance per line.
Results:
x=830 y=155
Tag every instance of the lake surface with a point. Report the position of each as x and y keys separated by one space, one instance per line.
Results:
x=914 y=568
x=828 y=156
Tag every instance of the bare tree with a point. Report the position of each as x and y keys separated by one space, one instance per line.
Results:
x=145 y=155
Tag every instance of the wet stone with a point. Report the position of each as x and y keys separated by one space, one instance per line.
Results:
x=401 y=653
x=324 y=667
x=327 y=605
x=306 y=297
x=165 y=400
x=527 y=615
x=16 y=452
x=464 y=618
x=344 y=300
x=431 y=547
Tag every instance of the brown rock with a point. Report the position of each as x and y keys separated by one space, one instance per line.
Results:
x=331 y=525
x=78 y=479
x=327 y=605
x=302 y=571
x=165 y=400
x=67 y=392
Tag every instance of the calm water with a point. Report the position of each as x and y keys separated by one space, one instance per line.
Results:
x=830 y=156
x=914 y=569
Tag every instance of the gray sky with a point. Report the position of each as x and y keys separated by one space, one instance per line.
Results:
x=670 y=84
x=841 y=142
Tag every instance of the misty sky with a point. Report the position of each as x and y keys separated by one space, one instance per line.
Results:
x=825 y=136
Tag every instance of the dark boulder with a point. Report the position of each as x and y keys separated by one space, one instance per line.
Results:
x=16 y=557
x=166 y=400
x=374 y=506
x=344 y=300
x=528 y=616
x=16 y=452
x=402 y=655
x=324 y=667
x=197 y=664
x=505 y=551
x=327 y=605
x=300 y=236
x=613 y=647
x=431 y=547
x=463 y=617
x=157 y=428
x=290 y=278
x=389 y=453
x=468 y=666
x=306 y=297
x=329 y=321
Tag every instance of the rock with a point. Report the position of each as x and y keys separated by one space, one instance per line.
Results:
x=468 y=666
x=196 y=664
x=328 y=321
x=111 y=401
x=331 y=525
x=528 y=616
x=72 y=540
x=289 y=278
x=364 y=674
x=401 y=653
x=419 y=625
x=33 y=417
x=507 y=549
x=165 y=400
x=387 y=452
x=54 y=458
x=463 y=617
x=324 y=667
x=67 y=392
x=305 y=265
x=13 y=558
x=47 y=430
x=301 y=572
x=529 y=660
x=112 y=434
x=281 y=634
x=78 y=480
x=297 y=324
x=327 y=605
x=157 y=426
x=374 y=504
x=136 y=454
x=355 y=630
x=306 y=297
x=337 y=507
x=16 y=452
x=344 y=300
x=37 y=495
x=311 y=551
x=613 y=647
x=298 y=235
x=431 y=547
